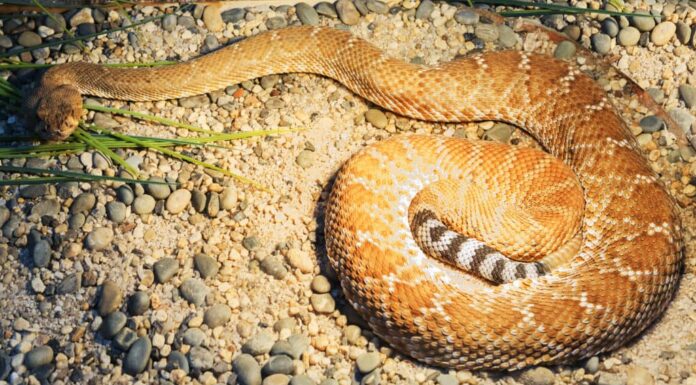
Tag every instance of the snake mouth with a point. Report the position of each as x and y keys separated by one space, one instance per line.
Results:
x=58 y=112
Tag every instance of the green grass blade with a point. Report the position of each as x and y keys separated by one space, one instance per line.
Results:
x=50 y=15
x=556 y=7
x=15 y=65
x=72 y=175
x=87 y=138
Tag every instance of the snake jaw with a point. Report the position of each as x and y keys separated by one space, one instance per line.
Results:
x=58 y=112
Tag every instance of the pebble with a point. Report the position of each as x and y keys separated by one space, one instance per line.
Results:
x=83 y=16
x=34 y=191
x=5 y=367
x=273 y=266
x=213 y=19
x=29 y=39
x=601 y=43
x=178 y=201
x=628 y=36
x=610 y=27
x=500 y=132
x=300 y=260
x=37 y=285
x=377 y=118
x=302 y=379
x=276 y=379
x=20 y=325
x=194 y=291
x=564 y=50
x=663 y=33
x=144 y=204
x=125 y=339
x=307 y=14
x=507 y=37
x=446 y=379
x=158 y=190
x=305 y=159
x=138 y=303
x=683 y=32
x=193 y=337
x=643 y=23
x=138 y=356
x=41 y=253
x=353 y=334
x=247 y=370
x=110 y=299
x=276 y=22
x=39 y=356
x=200 y=358
x=113 y=323
x=377 y=6
x=688 y=95
x=217 y=315
x=99 y=239
x=211 y=42
x=466 y=17
x=347 y=12
x=213 y=204
x=186 y=21
x=233 y=15
x=683 y=118
x=606 y=378
x=5 y=42
x=320 y=285
x=259 y=344
x=367 y=362
x=228 y=198
x=196 y=101
x=125 y=194
x=278 y=364
x=326 y=9
x=198 y=201
x=49 y=207
x=207 y=266
x=165 y=269
x=177 y=360
x=424 y=10
x=83 y=203
x=56 y=22
x=537 y=376
x=486 y=32
x=116 y=211
x=169 y=22
x=637 y=375
x=592 y=365
x=323 y=303
x=651 y=123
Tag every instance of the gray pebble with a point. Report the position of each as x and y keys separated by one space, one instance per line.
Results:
x=610 y=27
x=320 y=284
x=276 y=379
x=643 y=23
x=70 y=284
x=424 y=10
x=663 y=33
x=606 y=378
x=110 y=299
x=177 y=360
x=267 y=82
x=247 y=370
x=41 y=253
x=200 y=358
x=628 y=36
x=198 y=200
x=652 y=123
x=83 y=203
x=378 y=7
x=144 y=204
x=76 y=221
x=537 y=376
x=361 y=6
x=169 y=22
x=506 y=36
x=138 y=303
x=326 y=9
x=116 y=211
x=328 y=381
x=125 y=194
x=165 y=269
x=29 y=39
x=284 y=323
x=564 y=50
x=33 y=191
x=193 y=337
x=207 y=266
x=322 y=303
x=39 y=356
x=217 y=315
x=367 y=362
x=138 y=356
x=86 y=29
x=298 y=345
x=56 y=22
x=466 y=16
x=233 y=15
x=278 y=364
x=211 y=42
x=307 y=14
x=113 y=323
x=194 y=291
x=5 y=366
x=250 y=243
x=486 y=32
x=572 y=31
x=347 y=12
x=259 y=344
x=213 y=204
x=500 y=132
x=446 y=379
x=688 y=95
x=683 y=118
x=178 y=201
x=282 y=347
x=305 y=159
x=158 y=190
x=186 y=21
x=273 y=266
x=657 y=94
x=99 y=239
x=276 y=22
x=5 y=42
x=601 y=43
x=683 y=32
x=196 y=101
x=302 y=379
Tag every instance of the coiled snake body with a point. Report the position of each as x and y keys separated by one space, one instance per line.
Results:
x=500 y=213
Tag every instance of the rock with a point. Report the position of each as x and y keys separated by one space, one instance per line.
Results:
x=55 y=22
x=217 y=315
x=537 y=376
x=663 y=33
x=326 y=9
x=601 y=43
x=37 y=285
x=606 y=378
x=99 y=239
x=284 y=323
x=322 y=303
x=500 y=132
x=110 y=299
x=637 y=375
x=165 y=269
x=353 y=334
x=144 y=204
x=138 y=356
x=250 y=243
x=83 y=203
x=320 y=285
x=643 y=23
x=273 y=266
x=5 y=367
x=125 y=194
x=247 y=370
x=688 y=95
x=5 y=42
x=276 y=22
x=278 y=364
x=507 y=37
x=347 y=12
x=305 y=159
x=307 y=14
x=83 y=16
x=41 y=253
x=213 y=19
x=194 y=291
x=628 y=36
x=178 y=201
x=158 y=190
x=211 y=42
x=207 y=266
x=213 y=204
x=33 y=191
x=46 y=207
x=198 y=201
x=193 y=337
x=116 y=211
x=486 y=32
x=138 y=303
x=276 y=379
x=683 y=118
x=113 y=324
x=228 y=198
x=466 y=16
x=196 y=101
x=300 y=260
x=259 y=344
x=610 y=27
x=302 y=379
x=177 y=360
x=446 y=379
x=87 y=29
x=564 y=50
x=282 y=347
x=377 y=6
x=169 y=22
x=651 y=123
x=298 y=345
x=70 y=284
x=234 y=15
x=125 y=339
x=186 y=21
x=367 y=362
x=200 y=358
x=39 y=356
x=377 y=118
x=683 y=32
x=424 y=10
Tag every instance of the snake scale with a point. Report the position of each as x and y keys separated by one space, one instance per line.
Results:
x=490 y=215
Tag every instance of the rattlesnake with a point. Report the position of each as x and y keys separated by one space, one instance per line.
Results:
x=595 y=191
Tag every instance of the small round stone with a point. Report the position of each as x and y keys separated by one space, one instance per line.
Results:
x=178 y=201
x=424 y=10
x=327 y=9
x=99 y=239
x=298 y=345
x=116 y=211
x=606 y=378
x=377 y=6
x=138 y=303
x=302 y=379
x=125 y=194
x=125 y=339
x=377 y=118
x=206 y=265
x=276 y=22
x=307 y=14
x=305 y=159
x=628 y=36
x=601 y=43
x=194 y=291
x=300 y=260
x=165 y=269
x=610 y=27
x=278 y=364
x=637 y=375
x=228 y=198
x=247 y=370
x=368 y=362
x=41 y=253
x=217 y=315
x=663 y=33
x=507 y=37
x=592 y=365
x=83 y=203
x=169 y=22
x=652 y=123
x=466 y=17
x=39 y=356
x=198 y=200
x=113 y=323
x=234 y=15
x=259 y=344
x=177 y=360
x=353 y=334
x=688 y=95
x=486 y=32
x=643 y=23
x=144 y=204
x=29 y=39
x=200 y=358
x=537 y=376
x=138 y=356
x=110 y=299
x=446 y=379
x=683 y=32
x=564 y=50
x=158 y=190
x=273 y=266
x=193 y=337
x=320 y=284
x=276 y=379
x=347 y=12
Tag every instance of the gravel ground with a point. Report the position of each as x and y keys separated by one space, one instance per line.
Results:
x=208 y=281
